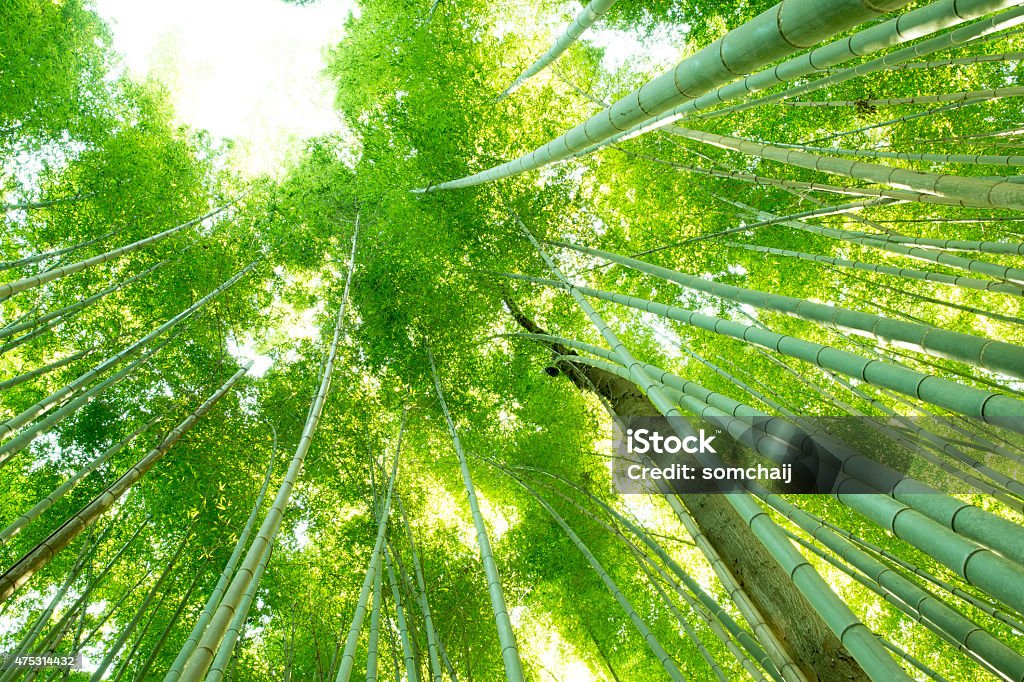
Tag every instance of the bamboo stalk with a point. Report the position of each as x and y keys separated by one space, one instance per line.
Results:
x=199 y=662
x=26 y=283
x=584 y=20
x=25 y=416
x=18 y=574
x=35 y=512
x=229 y=570
x=777 y=33
x=506 y=636
x=227 y=645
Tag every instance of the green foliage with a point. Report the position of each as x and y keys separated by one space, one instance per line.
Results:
x=92 y=154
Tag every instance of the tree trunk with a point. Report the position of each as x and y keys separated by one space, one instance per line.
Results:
x=797 y=626
x=795 y=623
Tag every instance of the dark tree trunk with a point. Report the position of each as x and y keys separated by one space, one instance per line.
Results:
x=795 y=623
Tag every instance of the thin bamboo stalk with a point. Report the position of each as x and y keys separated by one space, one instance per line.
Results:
x=995 y=355
x=970 y=191
x=26 y=283
x=198 y=663
x=433 y=650
x=114 y=649
x=990 y=94
x=18 y=574
x=45 y=369
x=506 y=636
x=905 y=273
x=671 y=669
x=348 y=657
x=1001 y=272
x=20 y=441
x=63 y=313
x=584 y=20
x=29 y=260
x=371 y=647
x=35 y=512
x=172 y=621
x=30 y=413
x=956 y=61
x=411 y=670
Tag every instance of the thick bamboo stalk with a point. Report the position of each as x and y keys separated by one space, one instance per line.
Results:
x=995 y=355
x=18 y=574
x=918 y=602
x=892 y=598
x=26 y=283
x=772 y=35
x=200 y=660
x=982 y=605
x=1010 y=17
x=30 y=413
x=35 y=512
x=584 y=20
x=990 y=406
x=231 y=637
x=905 y=273
x=913 y=25
x=506 y=636
x=229 y=570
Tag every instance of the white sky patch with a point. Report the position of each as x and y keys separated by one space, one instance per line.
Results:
x=247 y=70
x=245 y=352
x=661 y=49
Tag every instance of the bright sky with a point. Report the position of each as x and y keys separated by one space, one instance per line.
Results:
x=248 y=70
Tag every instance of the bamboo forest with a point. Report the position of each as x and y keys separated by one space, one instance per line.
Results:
x=360 y=415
